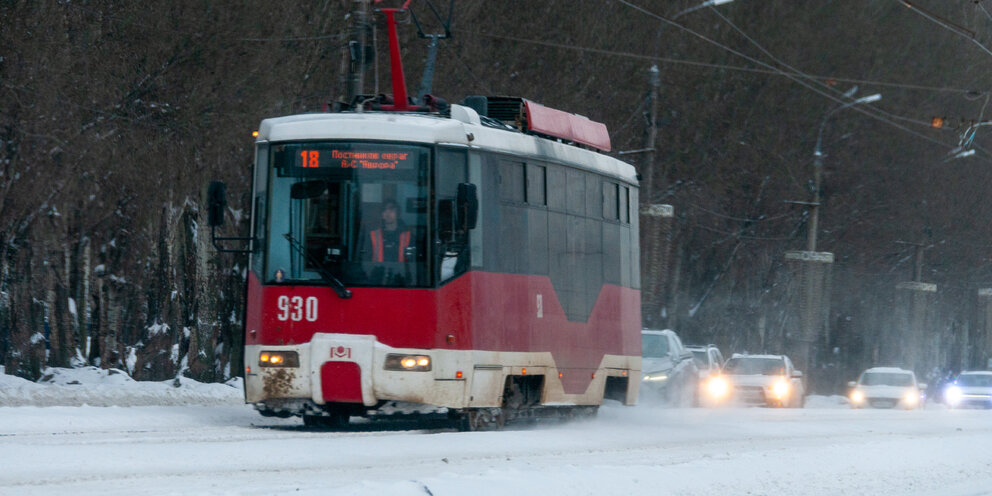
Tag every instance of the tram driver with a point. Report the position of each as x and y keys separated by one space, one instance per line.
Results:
x=391 y=241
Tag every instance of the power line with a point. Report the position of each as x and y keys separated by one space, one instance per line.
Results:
x=793 y=77
x=774 y=72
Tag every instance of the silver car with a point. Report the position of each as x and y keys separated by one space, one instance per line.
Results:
x=970 y=389
x=769 y=380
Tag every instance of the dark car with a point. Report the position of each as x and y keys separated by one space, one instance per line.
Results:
x=669 y=372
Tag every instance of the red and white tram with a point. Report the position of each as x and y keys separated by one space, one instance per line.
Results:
x=480 y=260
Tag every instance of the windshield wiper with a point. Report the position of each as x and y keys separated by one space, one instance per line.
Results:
x=335 y=283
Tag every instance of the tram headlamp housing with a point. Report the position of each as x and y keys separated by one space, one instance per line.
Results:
x=408 y=363
x=278 y=359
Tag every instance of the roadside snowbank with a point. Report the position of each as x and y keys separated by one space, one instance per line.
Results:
x=111 y=387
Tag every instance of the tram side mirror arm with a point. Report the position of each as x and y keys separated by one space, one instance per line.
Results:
x=216 y=205
x=467 y=203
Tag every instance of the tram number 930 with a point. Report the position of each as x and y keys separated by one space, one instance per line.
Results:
x=297 y=308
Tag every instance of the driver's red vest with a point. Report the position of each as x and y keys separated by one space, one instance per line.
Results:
x=377 y=255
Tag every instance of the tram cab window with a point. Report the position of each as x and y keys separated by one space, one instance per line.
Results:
x=453 y=239
x=327 y=214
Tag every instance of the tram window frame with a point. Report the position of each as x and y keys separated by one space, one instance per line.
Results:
x=446 y=181
x=260 y=217
x=625 y=205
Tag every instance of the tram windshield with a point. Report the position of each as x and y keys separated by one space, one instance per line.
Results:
x=355 y=212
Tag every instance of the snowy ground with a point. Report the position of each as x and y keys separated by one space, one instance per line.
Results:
x=229 y=449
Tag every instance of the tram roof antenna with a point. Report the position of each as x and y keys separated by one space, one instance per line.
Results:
x=427 y=80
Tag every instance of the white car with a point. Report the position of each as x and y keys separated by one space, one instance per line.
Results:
x=708 y=359
x=769 y=380
x=970 y=389
x=887 y=387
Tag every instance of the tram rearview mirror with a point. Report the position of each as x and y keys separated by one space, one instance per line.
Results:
x=307 y=189
x=467 y=206
x=216 y=203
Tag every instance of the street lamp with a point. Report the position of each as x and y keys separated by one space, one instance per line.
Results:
x=818 y=168
x=707 y=3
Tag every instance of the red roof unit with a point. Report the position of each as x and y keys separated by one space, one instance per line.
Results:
x=571 y=127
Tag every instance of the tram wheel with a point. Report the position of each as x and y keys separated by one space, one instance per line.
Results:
x=333 y=421
x=483 y=419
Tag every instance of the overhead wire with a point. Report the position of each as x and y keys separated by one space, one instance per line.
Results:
x=799 y=72
x=949 y=26
x=669 y=60
x=792 y=77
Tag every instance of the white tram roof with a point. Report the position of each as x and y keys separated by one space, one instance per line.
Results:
x=432 y=129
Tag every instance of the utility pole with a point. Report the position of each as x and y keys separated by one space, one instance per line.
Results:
x=916 y=299
x=655 y=220
x=357 y=49
x=647 y=170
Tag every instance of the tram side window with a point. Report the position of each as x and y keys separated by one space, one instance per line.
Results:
x=611 y=198
x=575 y=185
x=536 y=187
x=512 y=181
x=556 y=187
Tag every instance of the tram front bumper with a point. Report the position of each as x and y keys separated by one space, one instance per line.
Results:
x=356 y=369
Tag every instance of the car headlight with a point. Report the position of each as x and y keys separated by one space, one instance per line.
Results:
x=278 y=359
x=780 y=389
x=953 y=395
x=857 y=397
x=655 y=377
x=718 y=387
x=413 y=363
x=911 y=398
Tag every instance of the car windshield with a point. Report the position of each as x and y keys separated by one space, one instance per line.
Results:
x=755 y=366
x=699 y=356
x=887 y=379
x=654 y=346
x=974 y=380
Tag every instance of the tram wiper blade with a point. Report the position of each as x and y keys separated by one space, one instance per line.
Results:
x=339 y=288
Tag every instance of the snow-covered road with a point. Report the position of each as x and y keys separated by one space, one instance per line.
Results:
x=639 y=450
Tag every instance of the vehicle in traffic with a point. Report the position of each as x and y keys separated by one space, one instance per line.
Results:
x=669 y=372
x=970 y=389
x=769 y=380
x=887 y=387
x=708 y=359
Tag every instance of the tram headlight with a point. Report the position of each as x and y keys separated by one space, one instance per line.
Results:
x=413 y=363
x=278 y=359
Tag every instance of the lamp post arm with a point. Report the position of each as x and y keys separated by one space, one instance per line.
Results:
x=819 y=136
